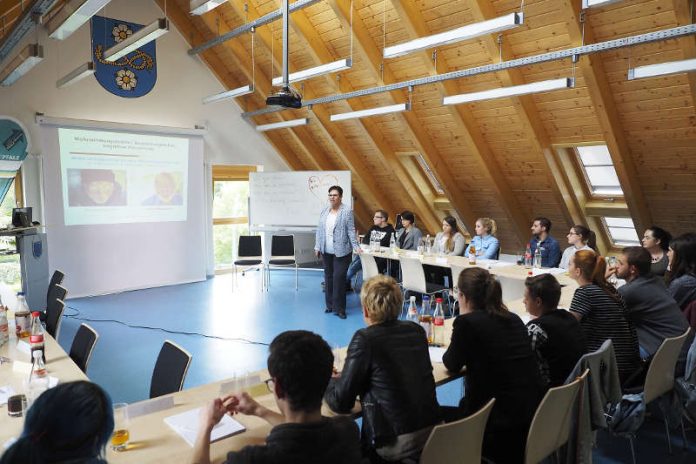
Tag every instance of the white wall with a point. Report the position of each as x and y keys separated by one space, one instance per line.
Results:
x=182 y=81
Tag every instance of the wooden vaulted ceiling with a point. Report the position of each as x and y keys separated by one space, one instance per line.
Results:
x=493 y=158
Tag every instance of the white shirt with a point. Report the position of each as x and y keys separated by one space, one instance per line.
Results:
x=329 y=230
x=568 y=252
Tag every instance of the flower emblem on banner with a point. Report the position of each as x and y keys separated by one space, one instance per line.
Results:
x=130 y=76
x=126 y=79
x=121 y=32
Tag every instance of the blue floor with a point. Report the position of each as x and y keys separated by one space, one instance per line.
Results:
x=227 y=332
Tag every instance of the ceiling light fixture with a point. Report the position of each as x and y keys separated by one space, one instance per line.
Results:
x=21 y=64
x=73 y=15
x=592 y=3
x=283 y=124
x=144 y=36
x=467 y=32
x=199 y=7
x=320 y=70
x=661 y=69
x=247 y=89
x=83 y=71
x=516 y=90
x=371 y=112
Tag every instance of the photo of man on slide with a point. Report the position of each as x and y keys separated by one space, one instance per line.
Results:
x=166 y=190
x=96 y=187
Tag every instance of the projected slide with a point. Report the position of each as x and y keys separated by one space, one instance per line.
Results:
x=116 y=177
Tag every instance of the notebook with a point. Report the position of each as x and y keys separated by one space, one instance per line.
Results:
x=186 y=425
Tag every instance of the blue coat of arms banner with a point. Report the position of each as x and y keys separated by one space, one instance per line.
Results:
x=131 y=76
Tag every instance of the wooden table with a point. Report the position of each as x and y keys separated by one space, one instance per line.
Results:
x=511 y=276
x=58 y=364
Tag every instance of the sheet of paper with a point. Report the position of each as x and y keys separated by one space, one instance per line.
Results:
x=186 y=425
x=5 y=393
x=24 y=347
x=550 y=270
x=436 y=353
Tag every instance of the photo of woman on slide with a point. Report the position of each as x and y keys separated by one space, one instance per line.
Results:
x=166 y=190
x=96 y=187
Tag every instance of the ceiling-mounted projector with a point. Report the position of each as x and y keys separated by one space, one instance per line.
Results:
x=286 y=97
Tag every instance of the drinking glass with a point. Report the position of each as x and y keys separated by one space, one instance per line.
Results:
x=119 y=440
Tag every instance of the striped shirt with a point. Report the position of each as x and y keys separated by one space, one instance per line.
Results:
x=603 y=317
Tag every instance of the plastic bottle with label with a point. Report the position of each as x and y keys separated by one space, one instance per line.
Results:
x=438 y=324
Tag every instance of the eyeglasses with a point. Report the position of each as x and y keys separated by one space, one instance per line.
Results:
x=270 y=384
x=334 y=195
x=572 y=233
x=379 y=217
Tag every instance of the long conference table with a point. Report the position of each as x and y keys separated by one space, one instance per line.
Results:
x=153 y=441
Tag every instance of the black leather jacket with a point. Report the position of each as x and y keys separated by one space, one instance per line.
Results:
x=389 y=368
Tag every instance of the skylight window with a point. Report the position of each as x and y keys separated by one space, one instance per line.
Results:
x=622 y=231
x=430 y=174
x=599 y=170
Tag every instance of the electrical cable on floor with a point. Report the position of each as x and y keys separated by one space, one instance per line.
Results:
x=78 y=317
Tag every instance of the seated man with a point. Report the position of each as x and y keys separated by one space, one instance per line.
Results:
x=556 y=336
x=650 y=307
x=388 y=367
x=550 y=250
x=300 y=364
x=381 y=231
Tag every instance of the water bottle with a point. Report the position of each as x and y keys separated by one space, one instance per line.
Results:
x=392 y=244
x=428 y=246
x=22 y=317
x=438 y=324
x=528 y=256
x=412 y=313
x=537 y=257
x=425 y=318
x=36 y=337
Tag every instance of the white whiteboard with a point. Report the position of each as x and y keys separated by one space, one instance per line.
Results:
x=293 y=198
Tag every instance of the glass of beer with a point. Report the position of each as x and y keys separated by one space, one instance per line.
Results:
x=119 y=440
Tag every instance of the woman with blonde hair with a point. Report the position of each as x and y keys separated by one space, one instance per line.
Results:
x=601 y=311
x=485 y=243
x=388 y=367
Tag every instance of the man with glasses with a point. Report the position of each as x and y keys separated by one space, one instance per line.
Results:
x=300 y=364
x=381 y=231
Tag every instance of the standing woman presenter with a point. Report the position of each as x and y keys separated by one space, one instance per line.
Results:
x=335 y=240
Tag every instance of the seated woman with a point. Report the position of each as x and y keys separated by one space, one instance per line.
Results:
x=485 y=243
x=556 y=336
x=601 y=312
x=682 y=265
x=71 y=422
x=450 y=241
x=579 y=238
x=410 y=236
x=494 y=346
x=388 y=367
x=656 y=240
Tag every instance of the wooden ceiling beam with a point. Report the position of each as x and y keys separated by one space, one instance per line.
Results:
x=687 y=44
x=525 y=107
x=477 y=147
x=349 y=156
x=372 y=57
x=314 y=45
x=595 y=78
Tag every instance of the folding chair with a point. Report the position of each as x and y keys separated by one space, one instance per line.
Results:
x=83 y=346
x=282 y=255
x=551 y=425
x=170 y=370
x=54 y=317
x=458 y=442
x=249 y=254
